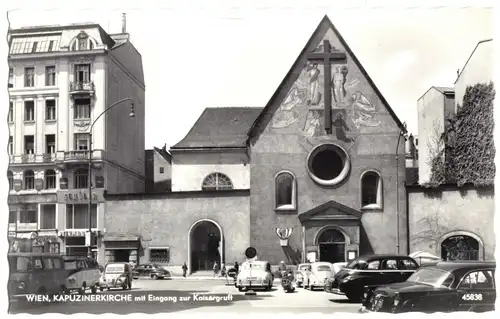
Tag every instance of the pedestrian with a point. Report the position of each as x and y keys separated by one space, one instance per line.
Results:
x=223 y=270
x=237 y=267
x=282 y=266
x=216 y=269
x=184 y=269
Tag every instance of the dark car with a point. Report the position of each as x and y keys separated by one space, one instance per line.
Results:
x=153 y=271
x=370 y=272
x=445 y=287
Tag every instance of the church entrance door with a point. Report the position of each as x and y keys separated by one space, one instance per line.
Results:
x=331 y=244
x=205 y=247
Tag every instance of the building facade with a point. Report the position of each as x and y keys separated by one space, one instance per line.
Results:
x=447 y=220
x=158 y=170
x=314 y=175
x=61 y=78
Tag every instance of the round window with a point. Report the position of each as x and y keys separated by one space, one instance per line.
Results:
x=328 y=164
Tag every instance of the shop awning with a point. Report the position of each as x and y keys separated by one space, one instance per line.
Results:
x=120 y=237
x=29 y=235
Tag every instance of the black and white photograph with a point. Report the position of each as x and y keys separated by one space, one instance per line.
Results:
x=249 y=157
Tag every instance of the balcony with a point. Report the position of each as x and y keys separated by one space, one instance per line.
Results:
x=23 y=227
x=81 y=88
x=32 y=159
x=79 y=157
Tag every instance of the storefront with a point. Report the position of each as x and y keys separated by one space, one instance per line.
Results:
x=122 y=248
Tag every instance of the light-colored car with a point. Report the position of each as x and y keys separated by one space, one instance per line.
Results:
x=83 y=274
x=116 y=275
x=319 y=274
x=255 y=275
x=301 y=273
x=337 y=266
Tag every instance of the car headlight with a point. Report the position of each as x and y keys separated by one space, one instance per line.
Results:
x=397 y=300
x=21 y=285
x=71 y=279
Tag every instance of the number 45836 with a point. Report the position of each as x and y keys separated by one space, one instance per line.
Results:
x=471 y=297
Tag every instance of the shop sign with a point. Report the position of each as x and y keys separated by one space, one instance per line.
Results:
x=75 y=233
x=79 y=197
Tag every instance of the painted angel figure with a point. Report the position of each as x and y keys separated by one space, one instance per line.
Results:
x=287 y=115
x=314 y=92
x=313 y=124
x=362 y=109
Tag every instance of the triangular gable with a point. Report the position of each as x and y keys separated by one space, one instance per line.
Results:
x=330 y=210
x=266 y=115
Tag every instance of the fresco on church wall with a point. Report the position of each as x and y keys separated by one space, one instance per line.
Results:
x=303 y=108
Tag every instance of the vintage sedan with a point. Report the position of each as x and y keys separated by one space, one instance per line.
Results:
x=301 y=273
x=83 y=274
x=319 y=274
x=152 y=271
x=336 y=267
x=255 y=275
x=445 y=287
x=370 y=272
x=116 y=275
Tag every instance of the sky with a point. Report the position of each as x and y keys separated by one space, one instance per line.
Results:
x=197 y=56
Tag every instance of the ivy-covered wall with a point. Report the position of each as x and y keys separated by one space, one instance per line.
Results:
x=467 y=154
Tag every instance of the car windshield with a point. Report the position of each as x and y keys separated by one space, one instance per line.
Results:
x=17 y=264
x=157 y=266
x=432 y=277
x=303 y=267
x=114 y=269
x=255 y=266
x=70 y=264
x=323 y=268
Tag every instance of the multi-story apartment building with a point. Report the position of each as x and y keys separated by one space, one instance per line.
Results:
x=61 y=78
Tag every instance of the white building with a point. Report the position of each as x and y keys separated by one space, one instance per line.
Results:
x=61 y=78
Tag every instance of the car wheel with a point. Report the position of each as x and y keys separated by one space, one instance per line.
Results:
x=155 y=277
x=101 y=289
x=240 y=289
x=125 y=285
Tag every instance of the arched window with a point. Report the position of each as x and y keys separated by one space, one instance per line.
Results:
x=50 y=179
x=29 y=180
x=216 y=182
x=81 y=178
x=82 y=42
x=371 y=190
x=10 y=177
x=285 y=191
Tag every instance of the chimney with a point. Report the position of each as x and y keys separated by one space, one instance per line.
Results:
x=412 y=147
x=124 y=23
x=165 y=147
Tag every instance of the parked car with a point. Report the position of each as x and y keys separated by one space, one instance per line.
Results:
x=320 y=272
x=255 y=275
x=153 y=271
x=424 y=258
x=371 y=272
x=444 y=287
x=116 y=275
x=83 y=273
x=301 y=273
x=35 y=273
x=336 y=267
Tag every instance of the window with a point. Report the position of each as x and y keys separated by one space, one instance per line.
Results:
x=81 y=142
x=371 y=190
x=11 y=77
x=77 y=217
x=328 y=164
x=10 y=177
x=51 y=45
x=33 y=49
x=48 y=263
x=81 y=178
x=50 y=110
x=390 y=264
x=82 y=73
x=216 y=182
x=159 y=255
x=29 y=144
x=57 y=262
x=48 y=216
x=285 y=190
x=50 y=179
x=479 y=279
x=10 y=117
x=12 y=217
x=29 y=111
x=50 y=144
x=373 y=265
x=50 y=76
x=28 y=216
x=162 y=169
x=82 y=109
x=29 y=77
x=29 y=180
x=82 y=44
x=407 y=264
x=10 y=147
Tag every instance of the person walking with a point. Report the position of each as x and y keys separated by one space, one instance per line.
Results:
x=216 y=269
x=184 y=270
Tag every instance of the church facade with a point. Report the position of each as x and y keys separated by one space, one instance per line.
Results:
x=317 y=174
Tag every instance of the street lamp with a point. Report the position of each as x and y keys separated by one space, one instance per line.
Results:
x=402 y=132
x=131 y=115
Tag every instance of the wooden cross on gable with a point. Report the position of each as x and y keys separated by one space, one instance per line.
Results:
x=326 y=57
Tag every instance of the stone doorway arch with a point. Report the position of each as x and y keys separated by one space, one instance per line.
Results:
x=205 y=245
x=331 y=242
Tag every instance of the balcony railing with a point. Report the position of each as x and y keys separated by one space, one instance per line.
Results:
x=82 y=155
x=23 y=227
x=58 y=157
x=81 y=87
x=49 y=157
x=28 y=158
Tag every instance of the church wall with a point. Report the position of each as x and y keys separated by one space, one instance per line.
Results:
x=438 y=213
x=165 y=221
x=290 y=129
x=189 y=170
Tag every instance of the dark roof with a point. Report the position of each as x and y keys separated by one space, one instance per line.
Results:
x=220 y=127
x=324 y=25
x=457 y=265
x=470 y=56
x=411 y=175
x=164 y=153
